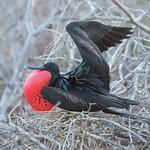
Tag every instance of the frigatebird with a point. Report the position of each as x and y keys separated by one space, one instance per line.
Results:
x=87 y=86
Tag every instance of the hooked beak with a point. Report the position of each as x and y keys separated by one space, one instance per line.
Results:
x=37 y=68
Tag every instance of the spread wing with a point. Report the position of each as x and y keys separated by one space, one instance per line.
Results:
x=92 y=38
x=104 y=36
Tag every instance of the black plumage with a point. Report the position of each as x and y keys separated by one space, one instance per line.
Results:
x=86 y=88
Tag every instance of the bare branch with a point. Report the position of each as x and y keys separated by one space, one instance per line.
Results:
x=13 y=128
x=106 y=140
x=8 y=92
x=131 y=16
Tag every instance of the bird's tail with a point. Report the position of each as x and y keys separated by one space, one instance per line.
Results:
x=115 y=101
x=121 y=102
x=126 y=115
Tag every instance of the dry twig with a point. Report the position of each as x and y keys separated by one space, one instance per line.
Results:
x=133 y=19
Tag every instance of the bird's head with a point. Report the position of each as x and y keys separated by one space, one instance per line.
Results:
x=51 y=68
x=41 y=77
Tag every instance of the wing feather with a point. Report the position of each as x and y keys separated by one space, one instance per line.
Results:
x=92 y=38
x=99 y=32
x=84 y=100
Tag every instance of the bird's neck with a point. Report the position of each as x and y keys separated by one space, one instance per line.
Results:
x=55 y=77
x=55 y=74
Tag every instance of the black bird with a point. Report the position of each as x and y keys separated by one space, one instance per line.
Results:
x=86 y=88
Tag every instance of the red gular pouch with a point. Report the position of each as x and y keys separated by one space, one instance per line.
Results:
x=35 y=82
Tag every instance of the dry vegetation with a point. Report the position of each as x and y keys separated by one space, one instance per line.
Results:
x=25 y=40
